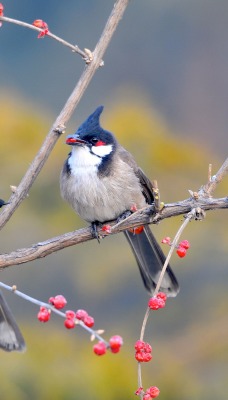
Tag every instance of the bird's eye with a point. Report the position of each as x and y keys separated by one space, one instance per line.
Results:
x=97 y=142
x=94 y=140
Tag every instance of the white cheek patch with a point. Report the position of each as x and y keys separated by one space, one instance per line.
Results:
x=102 y=151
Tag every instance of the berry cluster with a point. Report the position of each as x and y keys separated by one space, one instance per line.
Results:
x=157 y=301
x=143 y=351
x=182 y=247
x=58 y=302
x=150 y=393
x=72 y=317
x=81 y=315
x=115 y=343
x=39 y=23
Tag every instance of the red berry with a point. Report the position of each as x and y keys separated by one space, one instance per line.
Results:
x=147 y=396
x=147 y=357
x=155 y=303
x=153 y=391
x=181 y=252
x=139 y=356
x=147 y=348
x=88 y=321
x=70 y=314
x=162 y=295
x=139 y=345
x=137 y=230
x=58 y=301
x=69 y=323
x=81 y=314
x=166 y=240
x=185 y=244
x=99 y=348
x=1 y=10
x=44 y=314
x=115 y=343
x=106 y=228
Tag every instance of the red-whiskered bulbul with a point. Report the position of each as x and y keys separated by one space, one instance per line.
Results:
x=11 y=338
x=101 y=181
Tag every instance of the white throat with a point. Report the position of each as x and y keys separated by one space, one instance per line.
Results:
x=82 y=157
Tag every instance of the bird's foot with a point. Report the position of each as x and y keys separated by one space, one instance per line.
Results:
x=94 y=231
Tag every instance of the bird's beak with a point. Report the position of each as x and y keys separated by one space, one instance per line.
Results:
x=73 y=140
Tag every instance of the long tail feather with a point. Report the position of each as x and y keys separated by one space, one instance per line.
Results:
x=150 y=260
x=11 y=338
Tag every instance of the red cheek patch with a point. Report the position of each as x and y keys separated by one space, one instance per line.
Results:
x=100 y=143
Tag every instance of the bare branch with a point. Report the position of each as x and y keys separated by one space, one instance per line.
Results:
x=140 y=217
x=62 y=119
x=210 y=187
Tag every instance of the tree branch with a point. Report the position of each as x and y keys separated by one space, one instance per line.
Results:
x=141 y=217
x=64 y=116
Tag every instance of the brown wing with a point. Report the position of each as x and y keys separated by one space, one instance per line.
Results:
x=147 y=188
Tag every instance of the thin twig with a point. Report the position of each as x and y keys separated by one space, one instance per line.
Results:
x=188 y=218
x=74 y=48
x=64 y=116
x=39 y=303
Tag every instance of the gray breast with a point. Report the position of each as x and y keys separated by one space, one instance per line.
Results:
x=104 y=198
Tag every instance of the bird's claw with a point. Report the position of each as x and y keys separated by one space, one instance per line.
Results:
x=94 y=230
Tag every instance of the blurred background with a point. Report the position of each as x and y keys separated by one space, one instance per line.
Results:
x=165 y=91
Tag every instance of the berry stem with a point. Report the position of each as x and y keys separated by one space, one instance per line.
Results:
x=140 y=379
x=188 y=218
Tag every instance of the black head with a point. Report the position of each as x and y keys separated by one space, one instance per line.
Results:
x=96 y=145
x=90 y=133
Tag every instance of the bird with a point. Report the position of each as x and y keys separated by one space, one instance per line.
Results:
x=11 y=338
x=101 y=181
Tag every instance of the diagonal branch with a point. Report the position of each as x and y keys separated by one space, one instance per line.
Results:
x=64 y=116
x=140 y=217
